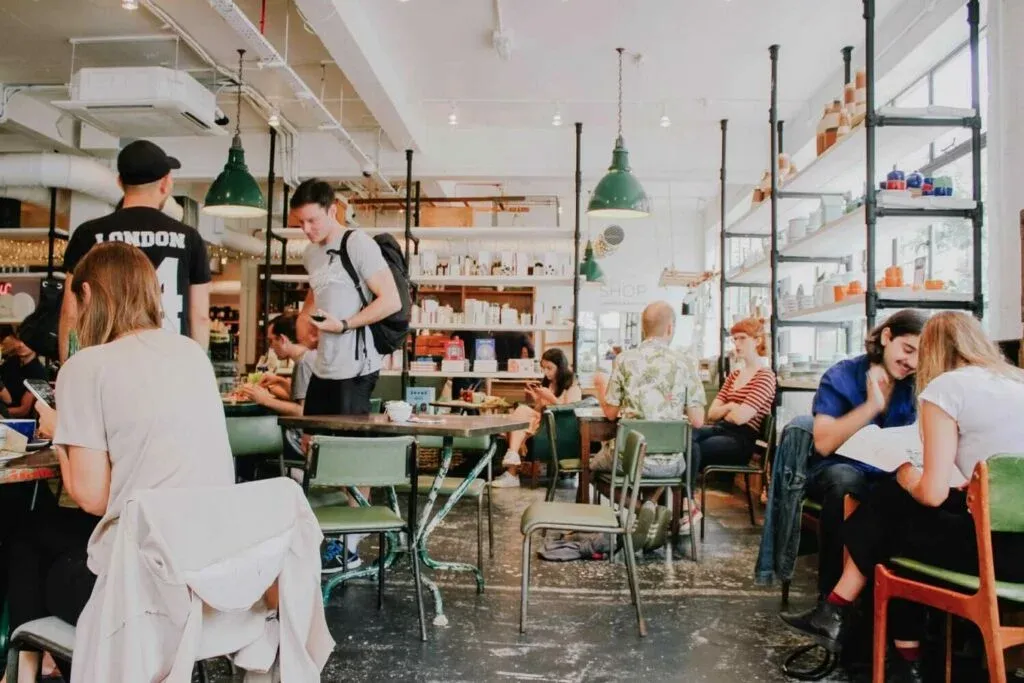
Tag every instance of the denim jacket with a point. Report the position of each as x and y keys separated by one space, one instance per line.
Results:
x=780 y=540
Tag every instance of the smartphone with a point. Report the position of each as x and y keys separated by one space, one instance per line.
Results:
x=318 y=317
x=42 y=390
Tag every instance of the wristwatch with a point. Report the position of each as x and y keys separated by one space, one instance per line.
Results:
x=344 y=326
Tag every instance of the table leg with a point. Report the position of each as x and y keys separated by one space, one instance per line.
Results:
x=427 y=525
x=583 y=493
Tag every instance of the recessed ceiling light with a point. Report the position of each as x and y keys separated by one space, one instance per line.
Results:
x=453 y=116
x=130 y=4
x=665 y=121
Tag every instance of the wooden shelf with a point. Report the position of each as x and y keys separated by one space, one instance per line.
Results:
x=466 y=327
x=493 y=281
x=852 y=307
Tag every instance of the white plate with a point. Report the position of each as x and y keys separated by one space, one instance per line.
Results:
x=7 y=457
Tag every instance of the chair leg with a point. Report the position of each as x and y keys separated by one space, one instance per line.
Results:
x=414 y=551
x=669 y=504
x=552 y=484
x=490 y=518
x=480 y=533
x=631 y=571
x=703 y=500
x=750 y=499
x=785 y=593
x=677 y=512
x=994 y=654
x=524 y=593
x=881 y=621
x=380 y=571
x=689 y=515
x=12 y=663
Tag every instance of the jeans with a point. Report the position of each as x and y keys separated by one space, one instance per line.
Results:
x=722 y=444
x=828 y=482
x=780 y=539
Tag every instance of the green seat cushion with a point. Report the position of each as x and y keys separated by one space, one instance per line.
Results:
x=342 y=519
x=570 y=465
x=645 y=482
x=448 y=486
x=811 y=506
x=569 y=516
x=472 y=443
x=1004 y=589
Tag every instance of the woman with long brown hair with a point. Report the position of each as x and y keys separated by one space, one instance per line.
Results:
x=970 y=402
x=137 y=408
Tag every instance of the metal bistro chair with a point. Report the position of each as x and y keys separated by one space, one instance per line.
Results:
x=763 y=446
x=347 y=462
x=260 y=438
x=993 y=498
x=662 y=437
x=559 y=466
x=591 y=518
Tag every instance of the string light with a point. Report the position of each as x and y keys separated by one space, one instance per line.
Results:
x=29 y=252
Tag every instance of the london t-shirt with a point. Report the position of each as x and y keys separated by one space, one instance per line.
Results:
x=175 y=250
x=150 y=400
x=338 y=355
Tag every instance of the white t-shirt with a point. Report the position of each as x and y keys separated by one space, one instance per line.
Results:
x=150 y=400
x=987 y=409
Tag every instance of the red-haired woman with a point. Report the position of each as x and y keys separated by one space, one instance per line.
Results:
x=745 y=400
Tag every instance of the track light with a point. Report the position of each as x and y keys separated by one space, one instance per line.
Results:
x=130 y=4
x=556 y=120
x=275 y=119
x=665 y=121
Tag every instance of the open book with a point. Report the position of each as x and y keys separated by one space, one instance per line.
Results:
x=887 y=449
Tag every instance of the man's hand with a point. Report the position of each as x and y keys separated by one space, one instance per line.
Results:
x=601 y=383
x=325 y=322
x=47 y=420
x=908 y=476
x=256 y=393
x=268 y=380
x=879 y=388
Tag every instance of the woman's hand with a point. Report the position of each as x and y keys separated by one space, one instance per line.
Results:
x=601 y=384
x=256 y=393
x=47 y=420
x=327 y=322
x=544 y=396
x=908 y=476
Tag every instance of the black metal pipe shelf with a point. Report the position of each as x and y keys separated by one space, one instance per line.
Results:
x=812 y=259
x=828 y=324
x=883 y=121
x=932 y=304
x=916 y=213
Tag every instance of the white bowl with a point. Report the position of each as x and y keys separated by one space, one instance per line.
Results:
x=398 y=411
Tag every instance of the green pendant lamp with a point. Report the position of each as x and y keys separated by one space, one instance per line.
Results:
x=235 y=193
x=589 y=270
x=619 y=194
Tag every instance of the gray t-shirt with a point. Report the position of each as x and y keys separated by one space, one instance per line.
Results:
x=301 y=374
x=150 y=400
x=334 y=292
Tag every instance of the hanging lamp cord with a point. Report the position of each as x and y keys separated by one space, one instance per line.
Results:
x=238 y=103
x=620 y=50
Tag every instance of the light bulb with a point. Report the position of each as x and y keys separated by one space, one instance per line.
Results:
x=453 y=117
x=130 y=4
x=556 y=120
x=275 y=120
x=665 y=121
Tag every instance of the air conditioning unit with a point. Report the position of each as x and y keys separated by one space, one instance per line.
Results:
x=142 y=102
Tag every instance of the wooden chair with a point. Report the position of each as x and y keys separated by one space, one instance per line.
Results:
x=764 y=446
x=993 y=498
x=592 y=518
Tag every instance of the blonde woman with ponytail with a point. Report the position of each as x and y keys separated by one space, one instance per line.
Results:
x=971 y=401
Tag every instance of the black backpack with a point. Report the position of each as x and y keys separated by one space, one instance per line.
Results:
x=389 y=333
x=39 y=329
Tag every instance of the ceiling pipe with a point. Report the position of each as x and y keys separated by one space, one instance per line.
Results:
x=266 y=51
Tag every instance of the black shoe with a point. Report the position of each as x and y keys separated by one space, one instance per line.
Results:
x=823 y=623
x=902 y=671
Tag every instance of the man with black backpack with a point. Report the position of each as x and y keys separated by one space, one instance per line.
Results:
x=354 y=300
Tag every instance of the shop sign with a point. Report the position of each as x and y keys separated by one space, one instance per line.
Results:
x=6 y=288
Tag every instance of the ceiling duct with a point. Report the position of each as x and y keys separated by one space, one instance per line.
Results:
x=269 y=55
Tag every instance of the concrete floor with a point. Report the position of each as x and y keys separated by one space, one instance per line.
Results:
x=707 y=621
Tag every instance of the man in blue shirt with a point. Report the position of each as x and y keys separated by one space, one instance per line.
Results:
x=875 y=388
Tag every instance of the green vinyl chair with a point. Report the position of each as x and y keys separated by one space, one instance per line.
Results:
x=477 y=489
x=341 y=461
x=260 y=438
x=662 y=437
x=558 y=464
x=764 y=446
x=544 y=515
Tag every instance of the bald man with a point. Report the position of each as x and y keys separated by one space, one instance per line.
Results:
x=653 y=382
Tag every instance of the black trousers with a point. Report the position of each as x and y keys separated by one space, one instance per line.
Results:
x=890 y=523
x=340 y=396
x=16 y=504
x=828 y=484
x=722 y=443
x=47 y=572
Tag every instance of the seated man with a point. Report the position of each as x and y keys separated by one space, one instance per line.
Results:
x=652 y=382
x=874 y=388
x=20 y=363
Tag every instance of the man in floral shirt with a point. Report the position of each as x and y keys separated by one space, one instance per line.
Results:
x=652 y=382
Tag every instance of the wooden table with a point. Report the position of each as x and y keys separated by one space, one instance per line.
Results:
x=465 y=407
x=33 y=467
x=449 y=428
x=594 y=426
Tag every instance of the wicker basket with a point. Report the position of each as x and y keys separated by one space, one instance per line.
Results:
x=429 y=459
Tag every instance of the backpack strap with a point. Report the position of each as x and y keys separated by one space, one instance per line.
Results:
x=350 y=268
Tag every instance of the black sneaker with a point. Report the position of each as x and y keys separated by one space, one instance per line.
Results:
x=331 y=558
x=823 y=623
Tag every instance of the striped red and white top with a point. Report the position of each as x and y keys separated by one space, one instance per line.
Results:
x=758 y=393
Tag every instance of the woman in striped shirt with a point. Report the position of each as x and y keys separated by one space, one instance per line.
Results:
x=746 y=398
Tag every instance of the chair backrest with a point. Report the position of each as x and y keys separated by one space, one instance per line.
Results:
x=358 y=461
x=765 y=443
x=566 y=444
x=1005 y=486
x=633 y=454
x=254 y=436
x=661 y=436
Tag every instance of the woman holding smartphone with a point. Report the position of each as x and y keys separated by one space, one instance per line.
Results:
x=558 y=387
x=139 y=409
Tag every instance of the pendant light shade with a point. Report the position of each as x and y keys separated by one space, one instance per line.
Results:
x=589 y=270
x=235 y=193
x=619 y=194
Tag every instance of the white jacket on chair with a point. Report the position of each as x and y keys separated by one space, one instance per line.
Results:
x=185 y=582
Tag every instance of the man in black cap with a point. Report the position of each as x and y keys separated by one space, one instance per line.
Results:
x=175 y=249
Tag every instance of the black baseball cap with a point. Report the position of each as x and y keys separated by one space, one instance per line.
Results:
x=142 y=162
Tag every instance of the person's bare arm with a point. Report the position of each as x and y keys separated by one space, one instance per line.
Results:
x=263 y=396
x=601 y=386
x=199 y=314
x=25 y=408
x=86 y=476
x=67 y=320
x=740 y=414
x=941 y=436
x=695 y=414
x=719 y=409
x=5 y=396
x=832 y=432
